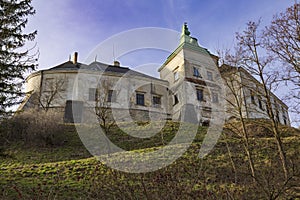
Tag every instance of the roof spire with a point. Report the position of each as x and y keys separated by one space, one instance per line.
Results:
x=185 y=29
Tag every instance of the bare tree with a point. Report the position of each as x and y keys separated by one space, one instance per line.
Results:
x=282 y=39
x=251 y=56
x=104 y=96
x=237 y=107
x=52 y=91
x=282 y=36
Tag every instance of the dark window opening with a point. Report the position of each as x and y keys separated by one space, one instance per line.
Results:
x=277 y=116
x=176 y=101
x=199 y=95
x=284 y=120
x=253 y=98
x=156 y=100
x=111 y=96
x=140 y=99
x=260 y=104
x=196 y=72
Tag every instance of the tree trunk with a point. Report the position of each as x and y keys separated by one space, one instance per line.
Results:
x=280 y=150
x=248 y=152
x=232 y=162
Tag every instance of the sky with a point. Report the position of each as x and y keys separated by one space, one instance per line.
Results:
x=66 y=26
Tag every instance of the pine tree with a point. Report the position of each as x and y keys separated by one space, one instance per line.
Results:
x=14 y=60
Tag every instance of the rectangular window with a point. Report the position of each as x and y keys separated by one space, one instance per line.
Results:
x=275 y=106
x=210 y=76
x=156 y=100
x=176 y=101
x=140 y=99
x=199 y=95
x=277 y=116
x=215 y=98
x=176 y=76
x=92 y=94
x=111 y=96
x=282 y=108
x=284 y=120
x=252 y=98
x=260 y=104
x=196 y=72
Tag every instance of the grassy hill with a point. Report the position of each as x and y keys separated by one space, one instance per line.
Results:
x=68 y=171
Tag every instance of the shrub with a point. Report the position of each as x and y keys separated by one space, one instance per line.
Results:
x=34 y=127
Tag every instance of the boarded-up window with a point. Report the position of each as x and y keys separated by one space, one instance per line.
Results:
x=92 y=94
x=215 y=97
x=73 y=111
x=210 y=76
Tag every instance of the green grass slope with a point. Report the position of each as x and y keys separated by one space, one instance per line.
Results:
x=68 y=171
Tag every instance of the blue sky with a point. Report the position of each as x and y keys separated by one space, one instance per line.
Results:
x=66 y=26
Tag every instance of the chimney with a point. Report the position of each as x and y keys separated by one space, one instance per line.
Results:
x=75 y=57
x=116 y=63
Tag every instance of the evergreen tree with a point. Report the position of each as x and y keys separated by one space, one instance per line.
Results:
x=14 y=60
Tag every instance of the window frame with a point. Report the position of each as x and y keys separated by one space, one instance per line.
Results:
x=214 y=97
x=284 y=119
x=138 y=100
x=198 y=96
x=176 y=100
x=154 y=103
x=252 y=97
x=260 y=104
x=196 y=72
x=93 y=95
x=111 y=96
x=210 y=75
x=176 y=75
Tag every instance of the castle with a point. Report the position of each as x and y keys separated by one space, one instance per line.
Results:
x=190 y=75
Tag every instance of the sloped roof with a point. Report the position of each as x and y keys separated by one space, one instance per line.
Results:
x=66 y=66
x=100 y=67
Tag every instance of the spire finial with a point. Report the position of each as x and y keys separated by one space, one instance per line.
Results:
x=185 y=29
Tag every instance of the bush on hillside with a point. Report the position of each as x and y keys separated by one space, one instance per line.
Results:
x=33 y=127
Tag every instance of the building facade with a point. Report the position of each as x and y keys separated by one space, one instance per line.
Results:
x=190 y=75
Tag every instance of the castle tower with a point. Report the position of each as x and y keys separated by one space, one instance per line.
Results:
x=191 y=71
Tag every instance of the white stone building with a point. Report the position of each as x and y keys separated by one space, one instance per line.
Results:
x=190 y=75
